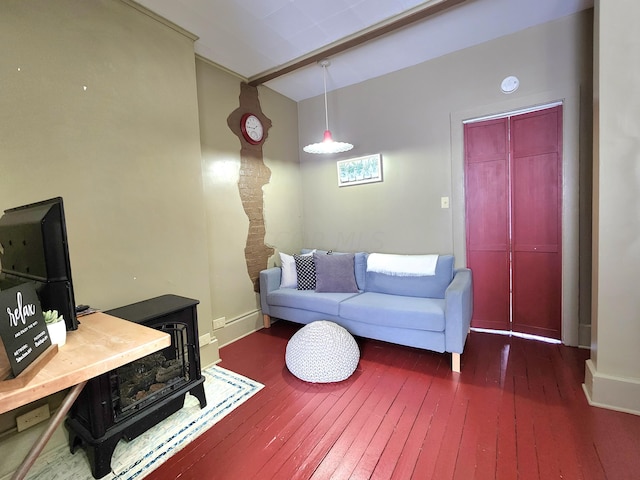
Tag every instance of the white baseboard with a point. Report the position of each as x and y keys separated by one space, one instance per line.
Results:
x=209 y=353
x=610 y=392
x=239 y=327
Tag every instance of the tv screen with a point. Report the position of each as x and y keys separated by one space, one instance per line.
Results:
x=34 y=248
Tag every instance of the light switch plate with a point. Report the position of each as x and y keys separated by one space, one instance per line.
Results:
x=444 y=202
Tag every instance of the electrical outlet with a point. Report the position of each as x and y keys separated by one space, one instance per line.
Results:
x=444 y=202
x=219 y=323
x=33 y=417
x=204 y=340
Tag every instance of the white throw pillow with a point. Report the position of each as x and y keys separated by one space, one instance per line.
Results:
x=289 y=277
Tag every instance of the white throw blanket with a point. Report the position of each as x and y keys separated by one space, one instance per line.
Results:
x=402 y=265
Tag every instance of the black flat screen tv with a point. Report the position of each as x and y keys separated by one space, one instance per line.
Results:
x=34 y=248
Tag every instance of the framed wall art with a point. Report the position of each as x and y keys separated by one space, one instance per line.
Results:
x=356 y=171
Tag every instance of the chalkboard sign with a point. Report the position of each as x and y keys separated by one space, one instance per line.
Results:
x=22 y=328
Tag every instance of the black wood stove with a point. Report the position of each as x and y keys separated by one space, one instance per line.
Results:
x=128 y=401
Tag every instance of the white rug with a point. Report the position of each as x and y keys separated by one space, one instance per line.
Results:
x=225 y=390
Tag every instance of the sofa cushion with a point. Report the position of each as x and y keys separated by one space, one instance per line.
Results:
x=430 y=286
x=395 y=311
x=289 y=275
x=360 y=264
x=335 y=273
x=328 y=303
x=306 y=272
x=360 y=268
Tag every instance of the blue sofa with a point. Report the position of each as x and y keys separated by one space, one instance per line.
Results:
x=431 y=312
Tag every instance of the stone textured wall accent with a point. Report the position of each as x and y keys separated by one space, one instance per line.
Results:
x=254 y=174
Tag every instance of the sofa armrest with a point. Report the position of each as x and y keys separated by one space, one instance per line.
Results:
x=458 y=310
x=269 y=281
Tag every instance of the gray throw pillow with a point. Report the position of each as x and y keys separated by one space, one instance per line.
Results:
x=335 y=273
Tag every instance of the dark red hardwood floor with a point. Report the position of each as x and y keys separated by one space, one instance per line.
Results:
x=517 y=411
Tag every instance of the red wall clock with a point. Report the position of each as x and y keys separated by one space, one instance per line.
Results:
x=251 y=128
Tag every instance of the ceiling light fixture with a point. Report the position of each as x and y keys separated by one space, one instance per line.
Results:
x=328 y=145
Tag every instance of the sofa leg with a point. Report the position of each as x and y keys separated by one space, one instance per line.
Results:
x=455 y=362
x=266 y=319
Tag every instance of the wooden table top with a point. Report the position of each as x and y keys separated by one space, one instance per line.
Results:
x=100 y=344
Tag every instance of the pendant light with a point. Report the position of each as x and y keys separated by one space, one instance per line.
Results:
x=328 y=145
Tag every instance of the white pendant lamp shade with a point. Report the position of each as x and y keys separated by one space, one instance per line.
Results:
x=328 y=144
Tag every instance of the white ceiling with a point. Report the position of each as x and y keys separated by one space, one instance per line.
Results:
x=250 y=37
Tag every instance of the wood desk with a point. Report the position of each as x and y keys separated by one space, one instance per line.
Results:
x=101 y=343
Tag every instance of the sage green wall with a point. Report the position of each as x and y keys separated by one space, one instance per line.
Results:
x=99 y=106
x=148 y=210
x=232 y=292
x=414 y=118
x=124 y=152
x=612 y=377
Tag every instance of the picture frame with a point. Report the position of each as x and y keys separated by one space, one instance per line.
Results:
x=356 y=171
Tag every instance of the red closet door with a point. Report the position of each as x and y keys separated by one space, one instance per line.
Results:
x=536 y=178
x=513 y=175
x=487 y=221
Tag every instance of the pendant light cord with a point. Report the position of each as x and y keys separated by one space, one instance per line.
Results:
x=326 y=110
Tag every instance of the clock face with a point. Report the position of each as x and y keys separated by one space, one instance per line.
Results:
x=252 y=129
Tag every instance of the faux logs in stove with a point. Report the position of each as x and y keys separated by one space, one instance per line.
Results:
x=126 y=402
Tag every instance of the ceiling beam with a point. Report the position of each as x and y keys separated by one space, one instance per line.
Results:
x=383 y=28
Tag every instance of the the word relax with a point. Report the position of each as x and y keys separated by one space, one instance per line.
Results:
x=22 y=312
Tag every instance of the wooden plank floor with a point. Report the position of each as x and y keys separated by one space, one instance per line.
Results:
x=517 y=411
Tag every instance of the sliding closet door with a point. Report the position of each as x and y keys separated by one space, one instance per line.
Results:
x=487 y=220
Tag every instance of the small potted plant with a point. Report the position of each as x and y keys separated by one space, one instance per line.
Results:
x=56 y=327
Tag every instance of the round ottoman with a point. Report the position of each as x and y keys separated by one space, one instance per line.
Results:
x=322 y=352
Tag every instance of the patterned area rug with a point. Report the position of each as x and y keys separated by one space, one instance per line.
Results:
x=225 y=391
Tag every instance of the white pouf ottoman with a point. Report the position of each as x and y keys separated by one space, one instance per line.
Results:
x=322 y=352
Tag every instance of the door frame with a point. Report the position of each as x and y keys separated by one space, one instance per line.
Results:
x=570 y=200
